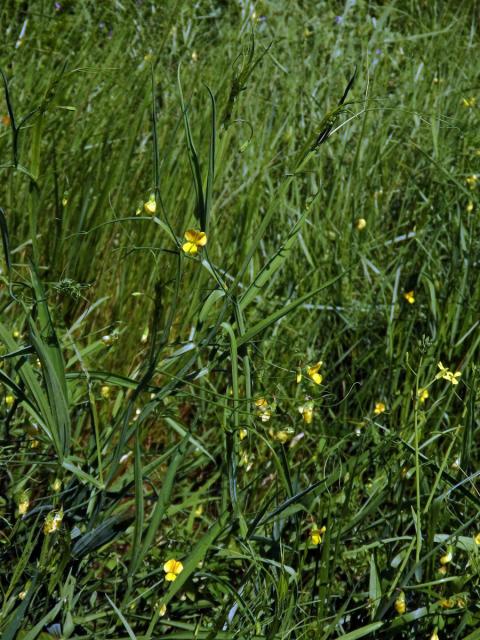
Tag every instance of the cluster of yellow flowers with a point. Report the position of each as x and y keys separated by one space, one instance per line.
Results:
x=446 y=374
x=469 y=103
x=263 y=409
x=283 y=435
x=472 y=180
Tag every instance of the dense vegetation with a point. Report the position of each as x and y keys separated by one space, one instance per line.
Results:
x=240 y=319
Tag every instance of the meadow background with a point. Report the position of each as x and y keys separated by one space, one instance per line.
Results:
x=159 y=405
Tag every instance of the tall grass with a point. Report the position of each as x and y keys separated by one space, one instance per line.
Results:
x=159 y=405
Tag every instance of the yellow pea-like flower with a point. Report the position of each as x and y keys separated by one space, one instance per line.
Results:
x=306 y=411
x=172 y=568
x=313 y=372
x=423 y=395
x=151 y=205
x=379 y=408
x=194 y=241
x=105 y=391
x=400 y=604
x=315 y=537
x=409 y=297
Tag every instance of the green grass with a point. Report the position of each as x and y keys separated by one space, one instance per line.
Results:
x=132 y=372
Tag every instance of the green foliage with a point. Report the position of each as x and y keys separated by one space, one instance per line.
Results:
x=266 y=409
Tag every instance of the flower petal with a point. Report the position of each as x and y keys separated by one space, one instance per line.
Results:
x=190 y=248
x=190 y=235
x=201 y=239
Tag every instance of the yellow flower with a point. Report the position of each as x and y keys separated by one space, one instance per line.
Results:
x=307 y=412
x=434 y=636
x=23 y=506
x=9 y=400
x=313 y=372
x=162 y=610
x=172 y=568
x=446 y=603
x=57 y=485
x=446 y=558
x=446 y=374
x=282 y=436
x=194 y=240
x=423 y=395
x=360 y=224
x=379 y=408
x=400 y=604
x=246 y=461
x=442 y=570
x=22 y=595
x=263 y=409
x=151 y=205
x=53 y=522
x=469 y=102
x=105 y=391
x=470 y=206
x=199 y=511
x=316 y=535
x=242 y=434
x=472 y=180
x=409 y=297
x=16 y=333
x=477 y=539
